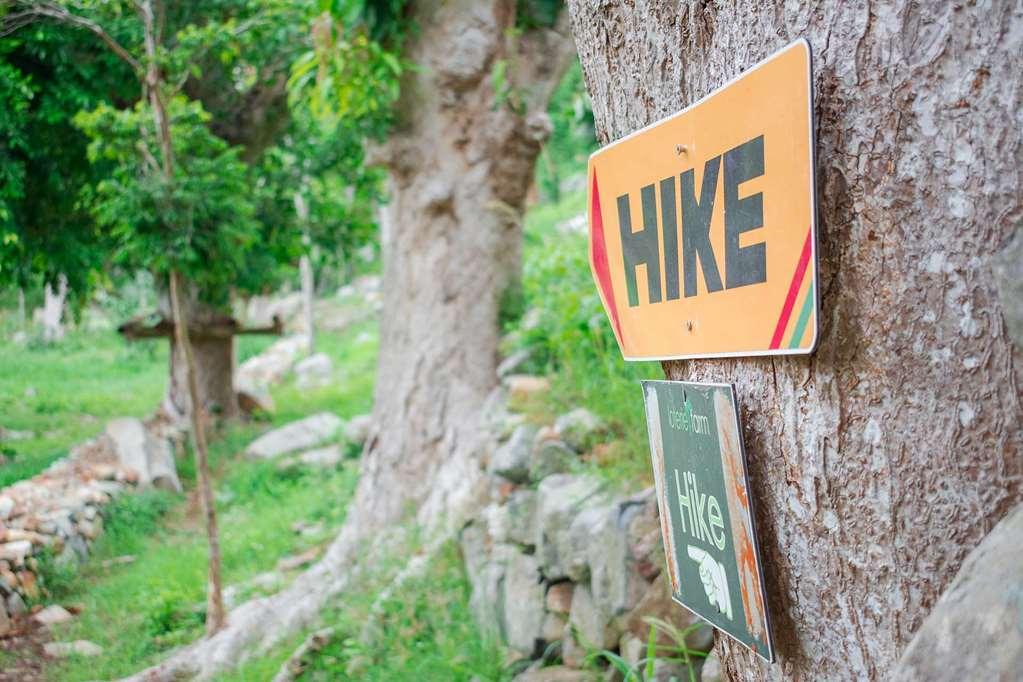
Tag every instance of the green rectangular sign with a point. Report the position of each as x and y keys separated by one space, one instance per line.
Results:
x=703 y=498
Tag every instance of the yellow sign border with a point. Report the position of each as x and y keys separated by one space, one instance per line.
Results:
x=812 y=238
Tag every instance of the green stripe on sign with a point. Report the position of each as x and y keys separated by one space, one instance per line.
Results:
x=804 y=317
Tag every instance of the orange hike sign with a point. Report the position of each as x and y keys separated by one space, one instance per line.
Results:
x=703 y=225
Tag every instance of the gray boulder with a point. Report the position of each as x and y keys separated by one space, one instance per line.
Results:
x=513 y=362
x=550 y=457
x=326 y=457
x=523 y=603
x=711 y=669
x=521 y=506
x=299 y=435
x=975 y=631
x=255 y=399
x=560 y=499
x=598 y=549
x=357 y=429
x=581 y=429
x=271 y=365
x=315 y=370
x=148 y=455
x=511 y=459
x=486 y=578
x=590 y=623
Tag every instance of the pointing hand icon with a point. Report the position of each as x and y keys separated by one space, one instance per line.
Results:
x=715 y=582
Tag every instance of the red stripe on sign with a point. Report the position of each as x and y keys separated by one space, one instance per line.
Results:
x=790 y=299
x=598 y=256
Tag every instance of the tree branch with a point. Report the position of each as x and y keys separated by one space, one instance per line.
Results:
x=47 y=10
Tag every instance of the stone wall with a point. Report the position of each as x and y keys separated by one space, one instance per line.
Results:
x=57 y=513
x=561 y=565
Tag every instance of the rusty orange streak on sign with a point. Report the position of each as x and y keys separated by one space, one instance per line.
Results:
x=703 y=225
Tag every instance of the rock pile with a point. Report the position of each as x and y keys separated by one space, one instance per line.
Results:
x=58 y=511
x=561 y=566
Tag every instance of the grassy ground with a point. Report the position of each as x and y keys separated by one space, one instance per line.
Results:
x=66 y=393
x=139 y=610
x=425 y=632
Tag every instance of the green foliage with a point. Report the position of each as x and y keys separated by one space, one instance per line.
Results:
x=139 y=610
x=47 y=74
x=567 y=332
x=572 y=138
x=530 y=14
x=425 y=632
x=55 y=578
x=203 y=215
x=347 y=78
x=680 y=651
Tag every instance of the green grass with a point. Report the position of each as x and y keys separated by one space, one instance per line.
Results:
x=66 y=393
x=425 y=632
x=140 y=610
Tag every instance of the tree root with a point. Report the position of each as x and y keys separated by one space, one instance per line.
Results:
x=258 y=625
x=295 y=665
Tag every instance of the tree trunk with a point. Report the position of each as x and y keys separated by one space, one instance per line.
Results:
x=53 y=310
x=214 y=596
x=21 y=309
x=881 y=460
x=461 y=161
x=460 y=167
x=215 y=361
x=305 y=271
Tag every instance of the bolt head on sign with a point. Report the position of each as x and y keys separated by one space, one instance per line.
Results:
x=703 y=225
x=703 y=501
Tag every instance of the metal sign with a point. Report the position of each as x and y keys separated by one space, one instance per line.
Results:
x=703 y=225
x=703 y=499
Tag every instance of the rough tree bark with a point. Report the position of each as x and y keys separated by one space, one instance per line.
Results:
x=880 y=461
x=461 y=163
x=214 y=363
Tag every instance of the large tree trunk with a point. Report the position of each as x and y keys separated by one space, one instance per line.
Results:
x=461 y=164
x=881 y=460
x=461 y=161
x=214 y=363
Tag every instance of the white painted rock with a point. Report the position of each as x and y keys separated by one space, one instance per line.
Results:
x=326 y=458
x=299 y=435
x=54 y=614
x=79 y=647
x=150 y=456
x=315 y=370
x=273 y=364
